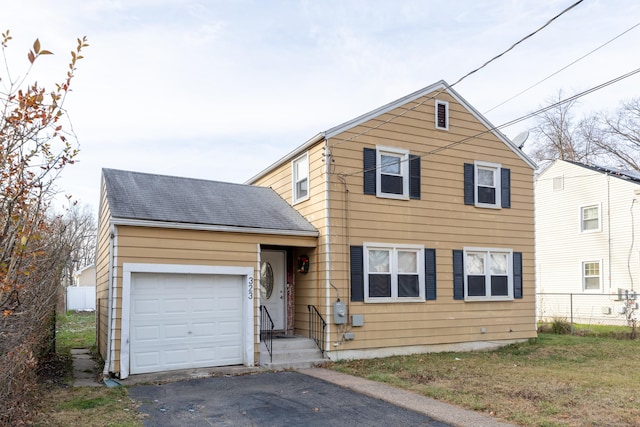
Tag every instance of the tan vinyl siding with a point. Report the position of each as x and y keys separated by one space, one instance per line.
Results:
x=102 y=274
x=438 y=220
x=194 y=247
x=310 y=289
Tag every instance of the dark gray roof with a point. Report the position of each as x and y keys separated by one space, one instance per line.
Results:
x=627 y=175
x=143 y=196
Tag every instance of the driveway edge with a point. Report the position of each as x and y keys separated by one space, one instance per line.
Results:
x=435 y=409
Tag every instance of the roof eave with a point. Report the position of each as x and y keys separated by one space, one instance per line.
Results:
x=290 y=156
x=210 y=227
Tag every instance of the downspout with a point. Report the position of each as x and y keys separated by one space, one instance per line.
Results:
x=327 y=188
x=108 y=364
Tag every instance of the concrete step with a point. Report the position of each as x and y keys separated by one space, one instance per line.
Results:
x=291 y=352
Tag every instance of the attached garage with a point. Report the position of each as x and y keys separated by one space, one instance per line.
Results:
x=183 y=317
x=176 y=266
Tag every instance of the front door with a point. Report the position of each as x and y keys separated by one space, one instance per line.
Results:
x=272 y=286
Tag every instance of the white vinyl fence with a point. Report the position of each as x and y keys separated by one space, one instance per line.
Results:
x=81 y=298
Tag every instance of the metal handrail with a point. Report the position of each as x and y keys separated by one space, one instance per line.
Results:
x=315 y=331
x=266 y=333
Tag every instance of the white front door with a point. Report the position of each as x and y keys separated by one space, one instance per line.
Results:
x=272 y=286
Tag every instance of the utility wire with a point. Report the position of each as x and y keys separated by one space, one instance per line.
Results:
x=364 y=132
x=514 y=121
x=562 y=69
x=518 y=42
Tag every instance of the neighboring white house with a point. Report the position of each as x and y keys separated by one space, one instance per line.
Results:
x=587 y=243
x=81 y=296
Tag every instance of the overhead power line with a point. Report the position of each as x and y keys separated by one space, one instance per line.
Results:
x=518 y=42
x=546 y=24
x=514 y=121
x=562 y=69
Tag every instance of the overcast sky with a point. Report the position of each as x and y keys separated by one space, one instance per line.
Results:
x=221 y=89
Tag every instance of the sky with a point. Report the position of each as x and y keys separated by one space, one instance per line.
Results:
x=220 y=90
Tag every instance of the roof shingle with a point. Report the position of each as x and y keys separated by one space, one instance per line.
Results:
x=150 y=197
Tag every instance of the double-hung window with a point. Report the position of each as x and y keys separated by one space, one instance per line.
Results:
x=391 y=173
x=300 y=175
x=487 y=185
x=392 y=177
x=590 y=218
x=393 y=273
x=591 y=275
x=488 y=274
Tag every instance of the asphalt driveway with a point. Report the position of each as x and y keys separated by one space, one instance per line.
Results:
x=267 y=399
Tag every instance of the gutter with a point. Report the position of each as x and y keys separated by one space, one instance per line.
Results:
x=205 y=227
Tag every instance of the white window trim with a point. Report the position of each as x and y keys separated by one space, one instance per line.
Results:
x=367 y=246
x=404 y=171
x=581 y=219
x=295 y=179
x=582 y=277
x=498 y=184
x=509 y=296
x=446 y=113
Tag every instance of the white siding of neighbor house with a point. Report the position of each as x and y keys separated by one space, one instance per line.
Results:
x=561 y=246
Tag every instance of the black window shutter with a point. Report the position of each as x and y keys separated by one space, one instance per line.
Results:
x=505 y=187
x=414 y=176
x=369 y=166
x=458 y=274
x=357 y=273
x=469 y=198
x=430 y=273
x=517 y=274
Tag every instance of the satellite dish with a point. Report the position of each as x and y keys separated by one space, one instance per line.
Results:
x=521 y=138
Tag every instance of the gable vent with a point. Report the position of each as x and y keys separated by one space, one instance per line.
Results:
x=442 y=112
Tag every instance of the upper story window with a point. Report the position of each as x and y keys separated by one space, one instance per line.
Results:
x=391 y=173
x=392 y=177
x=393 y=273
x=590 y=218
x=488 y=274
x=591 y=275
x=442 y=115
x=300 y=178
x=558 y=183
x=487 y=185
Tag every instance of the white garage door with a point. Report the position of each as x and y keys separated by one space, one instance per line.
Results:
x=180 y=321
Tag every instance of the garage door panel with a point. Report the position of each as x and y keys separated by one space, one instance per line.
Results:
x=181 y=321
x=204 y=305
x=147 y=362
x=176 y=305
x=176 y=331
x=146 y=333
x=145 y=306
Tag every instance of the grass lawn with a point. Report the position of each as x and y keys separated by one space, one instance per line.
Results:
x=555 y=380
x=65 y=405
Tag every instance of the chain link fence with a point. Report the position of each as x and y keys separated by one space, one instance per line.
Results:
x=619 y=309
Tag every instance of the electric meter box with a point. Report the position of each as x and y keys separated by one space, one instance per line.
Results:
x=339 y=313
